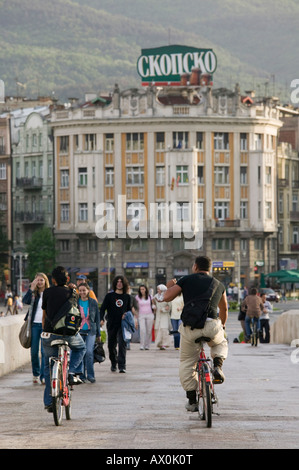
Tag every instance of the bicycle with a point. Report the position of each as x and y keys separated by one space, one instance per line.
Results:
x=60 y=387
x=206 y=395
x=254 y=331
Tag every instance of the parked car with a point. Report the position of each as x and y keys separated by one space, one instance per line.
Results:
x=272 y=296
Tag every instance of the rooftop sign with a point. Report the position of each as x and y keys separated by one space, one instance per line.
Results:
x=176 y=65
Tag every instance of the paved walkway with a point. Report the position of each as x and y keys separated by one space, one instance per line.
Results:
x=144 y=408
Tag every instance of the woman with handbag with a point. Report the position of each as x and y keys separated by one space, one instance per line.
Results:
x=145 y=316
x=90 y=330
x=34 y=298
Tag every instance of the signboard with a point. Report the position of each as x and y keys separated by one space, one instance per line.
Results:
x=176 y=65
x=223 y=264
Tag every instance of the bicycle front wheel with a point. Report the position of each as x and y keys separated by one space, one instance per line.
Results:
x=57 y=393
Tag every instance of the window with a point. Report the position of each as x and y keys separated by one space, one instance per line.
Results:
x=268 y=209
x=294 y=202
x=3 y=201
x=160 y=175
x=221 y=210
x=199 y=140
x=295 y=235
x=2 y=171
x=180 y=140
x=40 y=168
x=64 y=178
x=183 y=211
x=83 y=212
x=135 y=141
x=243 y=175
x=243 y=210
x=221 y=141
x=221 y=174
x=136 y=210
x=64 y=143
x=243 y=142
x=268 y=175
x=135 y=175
x=82 y=176
x=136 y=244
x=109 y=176
x=109 y=142
x=33 y=169
x=64 y=212
x=257 y=141
x=222 y=244
x=18 y=170
x=258 y=174
x=90 y=142
x=280 y=203
x=92 y=244
x=182 y=174
x=26 y=169
x=64 y=245
x=2 y=145
x=200 y=178
x=243 y=244
x=160 y=140
x=258 y=243
x=50 y=169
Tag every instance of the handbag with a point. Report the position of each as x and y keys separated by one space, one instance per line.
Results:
x=25 y=334
x=98 y=352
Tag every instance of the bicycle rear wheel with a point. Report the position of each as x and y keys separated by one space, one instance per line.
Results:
x=204 y=396
x=57 y=393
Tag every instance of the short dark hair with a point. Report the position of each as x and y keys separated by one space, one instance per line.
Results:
x=203 y=263
x=60 y=275
x=253 y=291
x=124 y=281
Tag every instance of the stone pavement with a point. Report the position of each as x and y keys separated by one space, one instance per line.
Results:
x=144 y=408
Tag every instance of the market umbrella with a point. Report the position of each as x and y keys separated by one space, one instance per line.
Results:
x=282 y=273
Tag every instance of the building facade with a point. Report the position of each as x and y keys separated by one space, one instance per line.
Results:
x=172 y=155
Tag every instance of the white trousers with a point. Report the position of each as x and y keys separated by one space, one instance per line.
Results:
x=189 y=350
x=145 y=328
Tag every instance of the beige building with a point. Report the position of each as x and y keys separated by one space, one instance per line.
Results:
x=187 y=160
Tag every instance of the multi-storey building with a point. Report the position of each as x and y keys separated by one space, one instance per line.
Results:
x=32 y=180
x=185 y=147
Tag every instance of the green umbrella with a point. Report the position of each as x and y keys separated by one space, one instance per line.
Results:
x=283 y=273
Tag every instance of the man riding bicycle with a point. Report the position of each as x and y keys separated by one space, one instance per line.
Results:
x=197 y=285
x=53 y=298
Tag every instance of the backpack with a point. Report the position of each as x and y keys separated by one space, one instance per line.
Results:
x=68 y=319
x=195 y=312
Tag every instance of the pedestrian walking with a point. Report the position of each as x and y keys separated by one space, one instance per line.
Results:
x=265 y=320
x=145 y=316
x=177 y=306
x=90 y=329
x=162 y=320
x=9 y=305
x=114 y=307
x=199 y=321
x=254 y=306
x=34 y=298
x=81 y=279
x=53 y=299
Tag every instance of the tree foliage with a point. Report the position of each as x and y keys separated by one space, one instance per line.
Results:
x=41 y=252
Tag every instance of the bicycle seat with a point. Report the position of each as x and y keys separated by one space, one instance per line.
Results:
x=203 y=339
x=58 y=342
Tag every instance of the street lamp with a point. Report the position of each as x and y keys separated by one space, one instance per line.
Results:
x=20 y=255
x=109 y=255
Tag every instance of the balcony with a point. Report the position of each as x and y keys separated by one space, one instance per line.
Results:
x=29 y=183
x=283 y=182
x=30 y=217
x=227 y=223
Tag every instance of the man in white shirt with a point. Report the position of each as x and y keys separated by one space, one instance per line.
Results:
x=265 y=320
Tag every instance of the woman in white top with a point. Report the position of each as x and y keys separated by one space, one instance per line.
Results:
x=177 y=306
x=145 y=316
x=34 y=298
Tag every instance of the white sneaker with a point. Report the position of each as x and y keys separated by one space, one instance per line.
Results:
x=35 y=380
x=191 y=407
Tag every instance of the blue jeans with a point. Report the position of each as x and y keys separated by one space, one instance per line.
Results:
x=247 y=325
x=37 y=366
x=175 y=326
x=78 y=349
x=88 y=369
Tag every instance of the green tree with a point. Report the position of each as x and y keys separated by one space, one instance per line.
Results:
x=41 y=252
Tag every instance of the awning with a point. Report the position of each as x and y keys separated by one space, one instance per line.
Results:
x=86 y=270
x=104 y=271
x=135 y=265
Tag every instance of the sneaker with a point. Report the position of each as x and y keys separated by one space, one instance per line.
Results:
x=219 y=376
x=35 y=380
x=49 y=408
x=113 y=369
x=191 y=407
x=74 y=380
x=91 y=379
x=122 y=371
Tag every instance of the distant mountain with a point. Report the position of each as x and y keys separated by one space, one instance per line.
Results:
x=69 y=47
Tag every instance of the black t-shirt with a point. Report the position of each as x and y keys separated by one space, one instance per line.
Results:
x=53 y=298
x=116 y=305
x=196 y=284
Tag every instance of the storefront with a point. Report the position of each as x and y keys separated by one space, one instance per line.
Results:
x=136 y=273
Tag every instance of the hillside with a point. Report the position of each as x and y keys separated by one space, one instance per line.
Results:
x=68 y=47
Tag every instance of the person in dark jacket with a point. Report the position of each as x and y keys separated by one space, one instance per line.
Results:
x=116 y=303
x=90 y=329
x=34 y=298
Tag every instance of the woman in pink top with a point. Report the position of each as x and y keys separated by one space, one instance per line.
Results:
x=145 y=316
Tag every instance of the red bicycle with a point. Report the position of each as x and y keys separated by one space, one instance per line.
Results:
x=60 y=387
x=206 y=395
